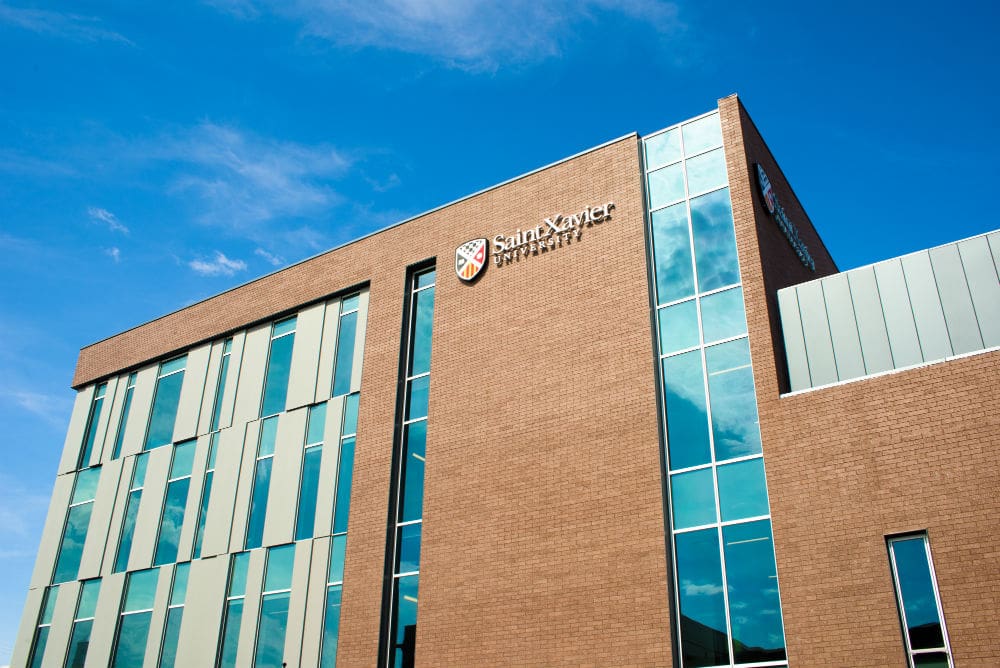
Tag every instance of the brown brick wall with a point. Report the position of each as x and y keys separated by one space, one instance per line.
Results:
x=850 y=464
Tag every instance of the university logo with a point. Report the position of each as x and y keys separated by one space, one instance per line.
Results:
x=766 y=190
x=470 y=258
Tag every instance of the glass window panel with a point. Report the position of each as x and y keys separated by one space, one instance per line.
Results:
x=280 y=561
x=404 y=614
x=238 y=576
x=345 y=477
x=687 y=416
x=123 y=420
x=258 y=503
x=179 y=588
x=206 y=496
x=49 y=606
x=231 y=633
x=268 y=436
x=213 y=446
x=672 y=254
x=331 y=627
x=71 y=549
x=304 y=523
x=95 y=415
x=279 y=364
x=79 y=643
x=85 y=487
x=663 y=148
x=171 y=634
x=350 y=303
x=283 y=327
x=704 y=641
x=88 y=599
x=932 y=660
x=141 y=590
x=338 y=551
x=416 y=402
x=420 y=350
x=722 y=315
x=692 y=497
x=177 y=364
x=38 y=651
x=139 y=474
x=702 y=134
x=130 y=648
x=666 y=185
x=714 y=241
x=706 y=172
x=351 y=414
x=742 y=490
x=412 y=492
x=271 y=631
x=753 y=593
x=426 y=278
x=679 y=327
x=172 y=521
x=916 y=589
x=408 y=550
x=220 y=387
x=128 y=530
x=734 y=404
x=183 y=459
x=317 y=424
x=345 y=354
x=161 y=421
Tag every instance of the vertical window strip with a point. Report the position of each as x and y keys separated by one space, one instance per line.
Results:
x=279 y=365
x=83 y=623
x=90 y=434
x=131 y=513
x=232 y=620
x=174 y=503
x=922 y=619
x=77 y=523
x=134 y=621
x=206 y=494
x=220 y=387
x=346 y=341
x=175 y=613
x=331 y=613
x=410 y=460
x=273 y=619
x=41 y=638
x=261 y=482
x=166 y=398
x=305 y=519
x=345 y=465
x=123 y=420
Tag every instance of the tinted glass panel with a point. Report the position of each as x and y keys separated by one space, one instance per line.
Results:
x=702 y=134
x=268 y=436
x=331 y=627
x=412 y=492
x=345 y=475
x=317 y=424
x=706 y=172
x=280 y=561
x=753 y=587
x=128 y=529
x=49 y=607
x=420 y=358
x=405 y=620
x=286 y=326
x=916 y=588
x=351 y=414
x=271 y=631
x=206 y=496
x=258 y=503
x=734 y=404
x=693 y=497
x=338 y=549
x=704 y=641
x=141 y=590
x=183 y=459
x=307 y=496
x=279 y=363
x=931 y=660
x=345 y=354
x=350 y=304
x=220 y=390
x=38 y=651
x=88 y=599
x=408 y=552
x=179 y=588
x=714 y=241
x=176 y=364
x=231 y=633
x=172 y=522
x=124 y=420
x=171 y=634
x=722 y=315
x=85 y=487
x=672 y=254
x=666 y=185
x=79 y=643
x=91 y=434
x=687 y=417
x=663 y=149
x=425 y=279
x=71 y=549
x=678 y=327
x=161 y=421
x=238 y=577
x=742 y=490
x=132 y=635
x=416 y=403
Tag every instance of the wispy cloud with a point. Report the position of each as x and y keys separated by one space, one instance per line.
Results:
x=270 y=258
x=220 y=265
x=99 y=215
x=53 y=409
x=114 y=253
x=75 y=27
x=466 y=35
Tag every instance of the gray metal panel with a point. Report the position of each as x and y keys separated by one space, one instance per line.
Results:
x=142 y=405
x=159 y=616
x=100 y=520
x=816 y=330
x=114 y=417
x=211 y=384
x=219 y=520
x=185 y=544
x=843 y=327
x=994 y=240
x=927 y=314
x=359 y=342
x=870 y=320
x=26 y=630
x=251 y=607
x=55 y=521
x=795 y=343
x=232 y=380
x=203 y=610
x=62 y=623
x=984 y=287
x=312 y=624
x=282 y=500
x=328 y=351
x=956 y=300
x=297 y=602
x=102 y=635
x=252 y=368
x=103 y=420
x=898 y=314
x=305 y=357
x=327 y=487
x=147 y=522
x=192 y=391
x=77 y=429
x=244 y=488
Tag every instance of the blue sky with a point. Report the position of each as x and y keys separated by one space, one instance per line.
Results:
x=153 y=154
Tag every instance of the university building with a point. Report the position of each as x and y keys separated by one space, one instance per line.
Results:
x=644 y=417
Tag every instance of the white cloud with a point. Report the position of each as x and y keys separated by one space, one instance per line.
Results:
x=70 y=26
x=104 y=216
x=270 y=258
x=467 y=35
x=220 y=265
x=51 y=408
x=114 y=253
x=691 y=589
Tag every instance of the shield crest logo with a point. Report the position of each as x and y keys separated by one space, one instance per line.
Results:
x=470 y=258
x=766 y=190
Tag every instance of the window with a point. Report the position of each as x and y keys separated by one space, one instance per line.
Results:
x=123 y=420
x=279 y=365
x=172 y=519
x=90 y=434
x=136 y=615
x=165 y=399
x=331 y=615
x=345 y=467
x=175 y=611
x=311 y=458
x=206 y=494
x=273 y=619
x=346 y=334
x=261 y=482
x=131 y=513
x=79 y=641
x=41 y=638
x=233 y=619
x=924 y=633
x=220 y=388
x=77 y=522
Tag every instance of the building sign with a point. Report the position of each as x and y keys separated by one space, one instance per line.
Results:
x=784 y=224
x=470 y=258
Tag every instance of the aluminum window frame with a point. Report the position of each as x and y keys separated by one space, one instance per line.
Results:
x=904 y=628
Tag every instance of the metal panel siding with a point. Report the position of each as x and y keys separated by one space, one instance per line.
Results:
x=843 y=327
x=994 y=240
x=870 y=319
x=305 y=356
x=243 y=490
x=142 y=405
x=232 y=380
x=328 y=466
x=77 y=429
x=816 y=330
x=185 y=544
x=147 y=522
x=62 y=622
x=251 y=607
x=114 y=416
x=359 y=342
x=26 y=631
x=312 y=624
x=252 y=367
x=219 y=521
x=903 y=340
x=795 y=343
x=100 y=520
x=55 y=521
x=103 y=422
x=984 y=287
x=102 y=635
x=297 y=603
x=279 y=522
x=328 y=351
x=192 y=391
x=927 y=314
x=203 y=611
x=211 y=385
x=956 y=300
x=118 y=514
x=159 y=617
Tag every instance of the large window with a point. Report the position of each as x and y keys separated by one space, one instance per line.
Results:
x=232 y=621
x=90 y=434
x=206 y=494
x=346 y=335
x=924 y=633
x=175 y=612
x=131 y=513
x=261 y=482
x=331 y=614
x=135 y=618
x=311 y=458
x=345 y=464
x=271 y=625
x=165 y=400
x=220 y=386
x=83 y=621
x=123 y=420
x=172 y=519
x=279 y=365
x=41 y=639
x=77 y=522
